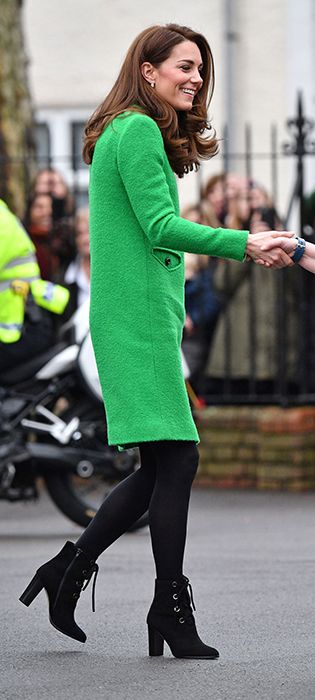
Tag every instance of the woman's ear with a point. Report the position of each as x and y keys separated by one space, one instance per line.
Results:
x=149 y=72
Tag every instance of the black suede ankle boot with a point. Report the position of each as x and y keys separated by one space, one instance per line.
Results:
x=62 y=578
x=170 y=618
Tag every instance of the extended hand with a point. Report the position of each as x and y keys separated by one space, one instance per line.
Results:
x=264 y=249
x=279 y=240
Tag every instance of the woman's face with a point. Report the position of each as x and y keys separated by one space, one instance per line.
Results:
x=239 y=206
x=177 y=80
x=52 y=182
x=216 y=197
x=42 y=183
x=41 y=212
x=258 y=198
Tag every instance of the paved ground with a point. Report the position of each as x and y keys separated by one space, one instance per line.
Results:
x=251 y=559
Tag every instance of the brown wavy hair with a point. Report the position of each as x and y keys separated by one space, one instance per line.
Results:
x=183 y=133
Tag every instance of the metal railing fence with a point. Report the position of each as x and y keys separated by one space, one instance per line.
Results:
x=291 y=379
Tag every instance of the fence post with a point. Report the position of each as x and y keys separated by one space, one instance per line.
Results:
x=301 y=146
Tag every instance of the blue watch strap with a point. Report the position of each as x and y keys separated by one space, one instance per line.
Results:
x=299 y=251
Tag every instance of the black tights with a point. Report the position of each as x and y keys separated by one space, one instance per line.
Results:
x=162 y=484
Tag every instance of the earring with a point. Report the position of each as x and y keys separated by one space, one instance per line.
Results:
x=152 y=84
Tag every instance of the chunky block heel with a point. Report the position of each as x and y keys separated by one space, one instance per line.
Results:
x=156 y=642
x=32 y=590
x=171 y=620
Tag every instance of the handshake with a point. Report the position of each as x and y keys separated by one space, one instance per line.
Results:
x=273 y=249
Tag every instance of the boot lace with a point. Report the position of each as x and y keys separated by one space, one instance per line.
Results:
x=82 y=584
x=93 y=572
x=185 y=598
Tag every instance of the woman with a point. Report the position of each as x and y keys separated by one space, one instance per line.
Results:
x=215 y=194
x=38 y=223
x=221 y=192
x=50 y=181
x=76 y=277
x=150 y=125
x=53 y=239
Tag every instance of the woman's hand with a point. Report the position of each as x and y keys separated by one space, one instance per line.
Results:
x=289 y=245
x=263 y=248
x=277 y=239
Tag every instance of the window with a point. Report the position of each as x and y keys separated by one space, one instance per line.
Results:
x=42 y=145
x=77 y=129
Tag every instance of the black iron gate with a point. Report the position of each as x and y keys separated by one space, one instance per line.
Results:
x=290 y=382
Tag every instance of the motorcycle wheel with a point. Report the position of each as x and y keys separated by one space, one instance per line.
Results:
x=79 y=498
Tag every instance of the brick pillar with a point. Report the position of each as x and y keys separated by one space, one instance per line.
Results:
x=257 y=447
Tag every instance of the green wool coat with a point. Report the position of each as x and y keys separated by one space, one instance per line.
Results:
x=137 y=282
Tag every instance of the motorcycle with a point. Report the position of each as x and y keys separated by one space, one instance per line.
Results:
x=53 y=426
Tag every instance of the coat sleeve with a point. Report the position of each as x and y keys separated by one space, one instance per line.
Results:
x=140 y=158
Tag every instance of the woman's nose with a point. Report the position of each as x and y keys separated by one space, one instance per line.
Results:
x=196 y=78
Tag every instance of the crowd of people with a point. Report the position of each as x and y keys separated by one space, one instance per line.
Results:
x=217 y=292
x=53 y=225
x=60 y=234
x=220 y=295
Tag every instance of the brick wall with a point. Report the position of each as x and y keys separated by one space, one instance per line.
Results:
x=257 y=447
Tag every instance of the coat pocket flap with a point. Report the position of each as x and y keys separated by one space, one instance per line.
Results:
x=170 y=259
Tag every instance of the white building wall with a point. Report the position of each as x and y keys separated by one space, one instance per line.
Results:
x=76 y=48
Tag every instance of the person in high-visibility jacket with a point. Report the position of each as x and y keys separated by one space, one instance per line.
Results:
x=26 y=326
